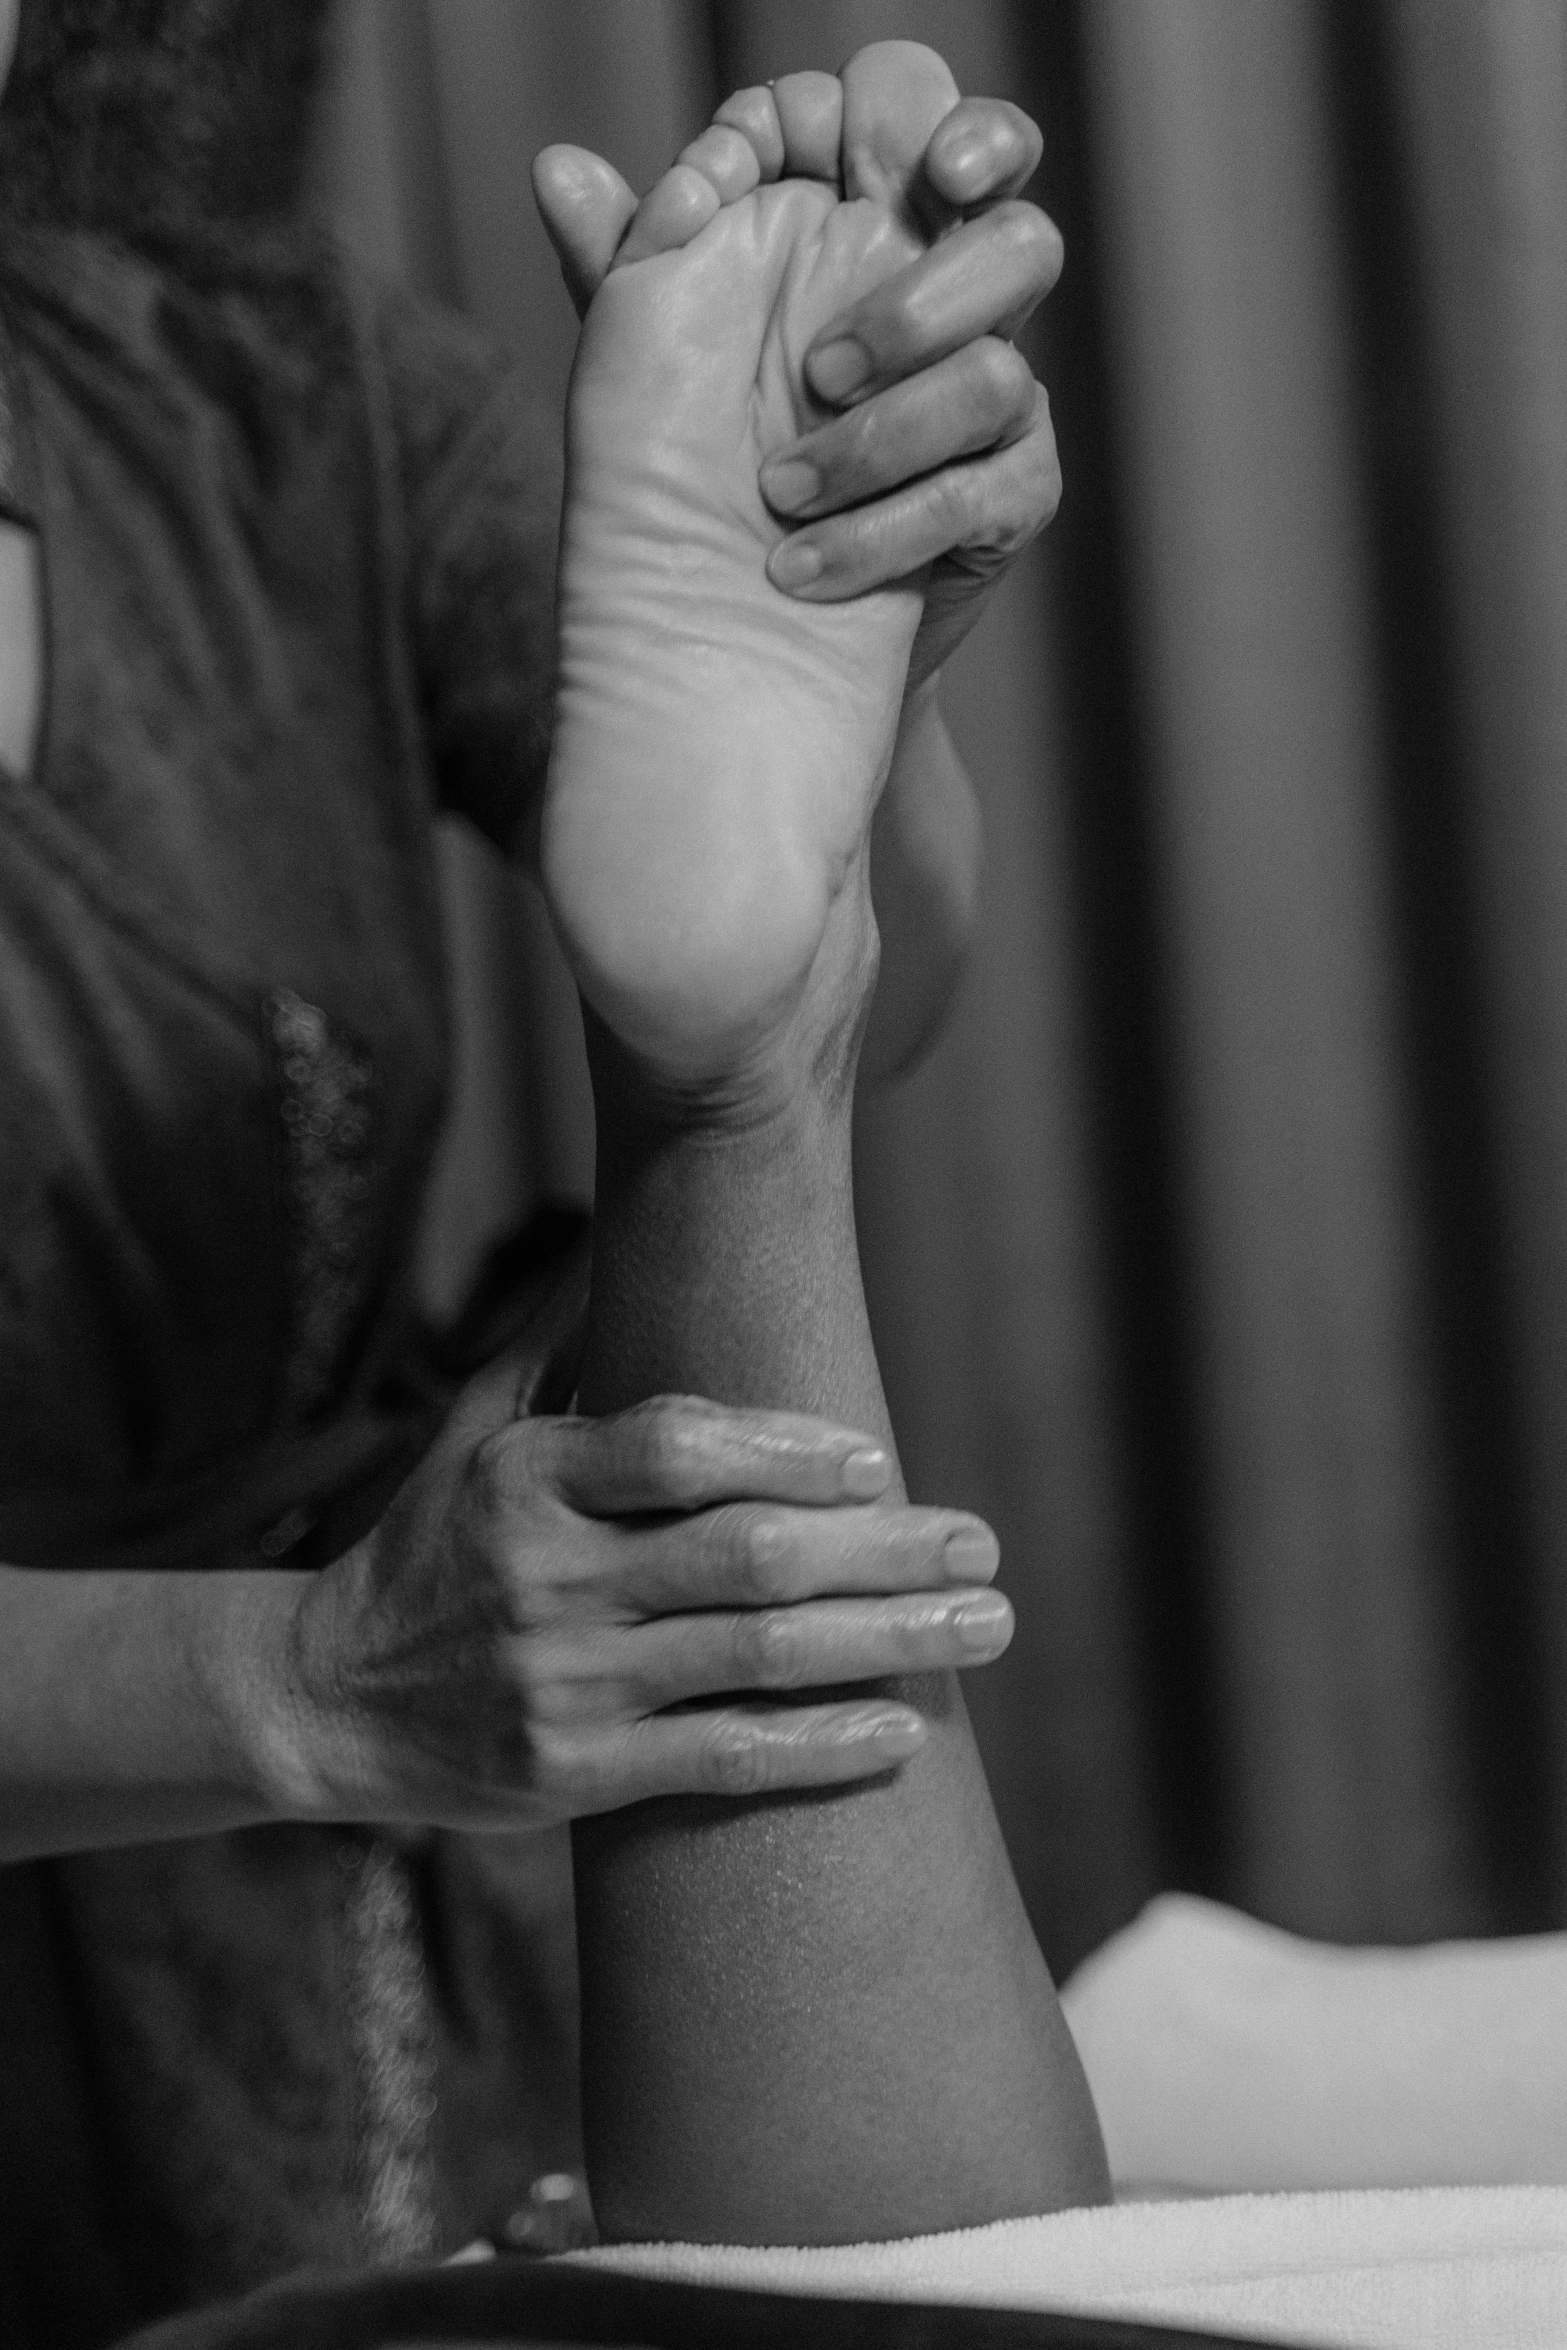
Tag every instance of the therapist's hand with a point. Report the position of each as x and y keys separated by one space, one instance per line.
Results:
x=941 y=453
x=559 y=1616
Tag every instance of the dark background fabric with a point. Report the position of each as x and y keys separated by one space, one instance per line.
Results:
x=1220 y=1253
x=158 y=113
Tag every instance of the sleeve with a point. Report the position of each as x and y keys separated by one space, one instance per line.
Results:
x=480 y=464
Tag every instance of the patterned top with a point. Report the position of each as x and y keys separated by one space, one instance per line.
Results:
x=298 y=543
x=298 y=539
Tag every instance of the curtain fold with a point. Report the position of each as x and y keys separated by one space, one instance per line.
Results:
x=1328 y=1522
x=1219 y=1253
x=1483 y=113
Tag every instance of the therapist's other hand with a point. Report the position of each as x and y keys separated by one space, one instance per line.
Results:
x=940 y=455
x=561 y=1616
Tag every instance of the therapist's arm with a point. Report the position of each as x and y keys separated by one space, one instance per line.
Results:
x=926 y=856
x=122 y=1716
x=506 y=1648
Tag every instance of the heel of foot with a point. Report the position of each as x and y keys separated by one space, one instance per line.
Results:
x=694 y=954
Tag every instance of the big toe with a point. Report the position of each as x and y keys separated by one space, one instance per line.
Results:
x=585 y=205
x=894 y=95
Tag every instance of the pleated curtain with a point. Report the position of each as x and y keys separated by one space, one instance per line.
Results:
x=1219 y=1253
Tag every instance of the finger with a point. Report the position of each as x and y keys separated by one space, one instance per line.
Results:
x=822 y=1644
x=984 y=150
x=975 y=399
x=983 y=279
x=810 y=117
x=762 y=1554
x=684 y=1453
x=754 y=114
x=585 y=206
x=746 y=1750
x=727 y=158
x=984 y=510
x=674 y=210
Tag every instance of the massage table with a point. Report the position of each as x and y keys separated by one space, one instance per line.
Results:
x=1470 y=2268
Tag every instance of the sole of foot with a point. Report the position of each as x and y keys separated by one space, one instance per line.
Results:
x=719 y=744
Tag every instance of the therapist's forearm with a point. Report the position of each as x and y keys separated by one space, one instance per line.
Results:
x=926 y=853
x=132 y=1706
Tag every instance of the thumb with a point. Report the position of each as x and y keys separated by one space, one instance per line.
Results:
x=585 y=206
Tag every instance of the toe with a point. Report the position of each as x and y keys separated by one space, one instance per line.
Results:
x=584 y=205
x=894 y=95
x=672 y=212
x=810 y=115
x=727 y=158
x=754 y=114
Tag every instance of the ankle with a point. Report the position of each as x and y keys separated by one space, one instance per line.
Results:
x=776 y=1106
x=710 y=1180
x=796 y=1072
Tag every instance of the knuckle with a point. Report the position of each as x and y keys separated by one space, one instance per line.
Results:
x=952 y=497
x=767 y=1651
x=674 y=1446
x=507 y=1599
x=898 y=317
x=550 y=1707
x=907 y=305
x=1015 y=520
x=991 y=358
x=1006 y=379
x=1032 y=238
x=861 y=538
x=552 y=1755
x=755 y=1552
x=527 y=1674
x=1020 y=501
x=731 y=1760
x=859 y=437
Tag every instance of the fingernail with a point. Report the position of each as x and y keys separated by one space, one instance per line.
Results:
x=790 y=483
x=794 y=563
x=972 y=1555
x=838 y=369
x=981 y=1625
x=864 y=1474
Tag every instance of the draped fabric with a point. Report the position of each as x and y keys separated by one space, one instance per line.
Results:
x=1219 y=1254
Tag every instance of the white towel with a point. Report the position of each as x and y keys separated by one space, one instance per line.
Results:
x=1428 y=2268
x=1229 y=2058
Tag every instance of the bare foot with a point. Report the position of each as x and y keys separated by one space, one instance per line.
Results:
x=719 y=746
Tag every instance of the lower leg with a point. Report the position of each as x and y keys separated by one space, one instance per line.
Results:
x=803 y=2019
